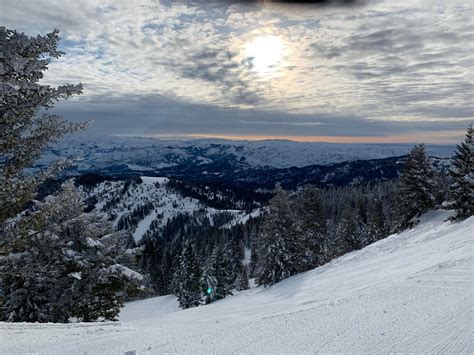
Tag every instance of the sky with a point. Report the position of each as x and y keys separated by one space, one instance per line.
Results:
x=351 y=71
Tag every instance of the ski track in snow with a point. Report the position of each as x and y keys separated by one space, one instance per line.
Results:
x=408 y=293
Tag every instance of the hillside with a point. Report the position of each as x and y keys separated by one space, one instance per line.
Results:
x=146 y=205
x=411 y=292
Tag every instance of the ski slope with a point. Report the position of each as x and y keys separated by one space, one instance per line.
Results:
x=411 y=292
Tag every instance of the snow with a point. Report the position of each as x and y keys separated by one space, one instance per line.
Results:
x=247 y=256
x=151 y=308
x=167 y=203
x=125 y=271
x=76 y=275
x=408 y=293
x=144 y=225
x=252 y=214
x=139 y=167
x=92 y=243
x=241 y=217
x=154 y=180
x=143 y=154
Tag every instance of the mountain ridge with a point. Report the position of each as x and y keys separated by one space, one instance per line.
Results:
x=149 y=153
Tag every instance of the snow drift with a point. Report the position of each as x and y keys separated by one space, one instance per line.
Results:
x=411 y=292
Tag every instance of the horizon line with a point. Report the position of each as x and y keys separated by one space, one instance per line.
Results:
x=432 y=138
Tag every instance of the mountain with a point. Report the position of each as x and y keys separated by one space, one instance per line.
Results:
x=148 y=154
x=337 y=174
x=408 y=293
x=147 y=205
x=238 y=164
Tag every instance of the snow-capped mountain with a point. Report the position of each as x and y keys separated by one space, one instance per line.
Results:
x=408 y=293
x=147 y=154
x=242 y=164
x=146 y=205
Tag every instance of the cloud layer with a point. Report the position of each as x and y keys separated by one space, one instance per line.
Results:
x=374 y=69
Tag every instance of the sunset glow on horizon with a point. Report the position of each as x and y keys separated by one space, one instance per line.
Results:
x=429 y=138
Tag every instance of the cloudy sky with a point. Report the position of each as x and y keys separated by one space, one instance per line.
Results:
x=372 y=71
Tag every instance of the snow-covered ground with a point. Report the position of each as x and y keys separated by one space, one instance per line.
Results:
x=411 y=292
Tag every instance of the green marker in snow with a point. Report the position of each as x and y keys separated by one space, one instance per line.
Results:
x=209 y=290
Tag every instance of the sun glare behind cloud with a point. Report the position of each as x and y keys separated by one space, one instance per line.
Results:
x=265 y=53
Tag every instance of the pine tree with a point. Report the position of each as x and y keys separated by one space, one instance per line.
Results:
x=24 y=131
x=56 y=266
x=417 y=188
x=280 y=249
x=461 y=191
x=242 y=282
x=188 y=279
x=234 y=253
x=353 y=229
x=168 y=267
x=376 y=223
x=226 y=277
x=312 y=227
x=153 y=264
x=253 y=265
x=217 y=276
x=336 y=241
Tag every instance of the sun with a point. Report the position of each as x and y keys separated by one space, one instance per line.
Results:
x=265 y=53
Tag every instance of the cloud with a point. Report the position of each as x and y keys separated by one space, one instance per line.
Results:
x=155 y=115
x=220 y=67
x=413 y=62
x=180 y=66
x=289 y=2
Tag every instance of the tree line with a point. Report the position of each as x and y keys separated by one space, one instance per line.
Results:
x=306 y=230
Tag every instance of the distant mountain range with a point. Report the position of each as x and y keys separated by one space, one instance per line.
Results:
x=242 y=163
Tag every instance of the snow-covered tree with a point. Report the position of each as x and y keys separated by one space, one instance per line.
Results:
x=280 y=247
x=461 y=191
x=242 y=282
x=353 y=230
x=187 y=280
x=234 y=253
x=312 y=227
x=56 y=267
x=26 y=128
x=417 y=188
x=217 y=276
x=376 y=223
x=153 y=263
